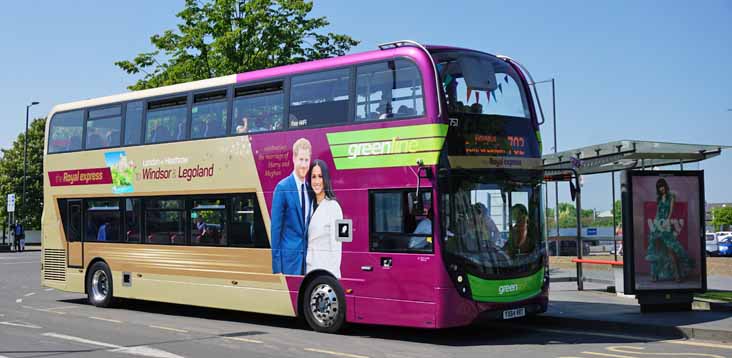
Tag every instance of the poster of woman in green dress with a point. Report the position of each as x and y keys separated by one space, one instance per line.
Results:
x=669 y=259
x=666 y=230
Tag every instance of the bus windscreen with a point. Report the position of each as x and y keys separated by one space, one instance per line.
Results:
x=493 y=227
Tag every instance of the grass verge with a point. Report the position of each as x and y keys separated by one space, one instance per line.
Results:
x=716 y=295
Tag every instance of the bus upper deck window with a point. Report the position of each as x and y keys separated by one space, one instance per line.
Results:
x=258 y=108
x=320 y=98
x=65 y=132
x=103 y=128
x=391 y=89
x=133 y=123
x=166 y=120
x=209 y=115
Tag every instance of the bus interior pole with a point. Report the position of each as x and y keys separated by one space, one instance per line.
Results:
x=580 y=278
x=546 y=218
x=556 y=184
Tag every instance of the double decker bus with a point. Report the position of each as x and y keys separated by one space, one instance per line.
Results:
x=399 y=186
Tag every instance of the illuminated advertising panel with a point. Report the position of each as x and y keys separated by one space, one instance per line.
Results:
x=663 y=217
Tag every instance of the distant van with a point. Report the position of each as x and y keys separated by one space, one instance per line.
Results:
x=712 y=244
x=567 y=248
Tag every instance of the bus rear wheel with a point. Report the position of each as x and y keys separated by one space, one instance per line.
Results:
x=324 y=305
x=99 y=285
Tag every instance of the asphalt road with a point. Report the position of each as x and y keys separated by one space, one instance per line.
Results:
x=39 y=322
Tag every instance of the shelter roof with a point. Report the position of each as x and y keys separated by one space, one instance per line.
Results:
x=628 y=154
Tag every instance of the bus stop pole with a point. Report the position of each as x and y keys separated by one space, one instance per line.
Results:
x=612 y=212
x=580 y=278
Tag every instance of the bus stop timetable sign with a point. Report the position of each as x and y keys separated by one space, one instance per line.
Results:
x=11 y=203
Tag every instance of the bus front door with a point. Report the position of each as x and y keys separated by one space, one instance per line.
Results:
x=399 y=289
x=74 y=244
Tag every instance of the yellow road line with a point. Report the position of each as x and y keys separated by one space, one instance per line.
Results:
x=607 y=355
x=243 y=339
x=169 y=329
x=105 y=319
x=61 y=308
x=608 y=335
x=700 y=344
x=335 y=353
x=629 y=337
x=635 y=350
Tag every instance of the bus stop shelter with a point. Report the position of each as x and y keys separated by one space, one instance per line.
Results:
x=615 y=156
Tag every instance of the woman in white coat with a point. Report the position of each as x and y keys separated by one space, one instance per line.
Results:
x=324 y=252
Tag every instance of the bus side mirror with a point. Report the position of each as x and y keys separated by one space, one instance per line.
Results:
x=572 y=190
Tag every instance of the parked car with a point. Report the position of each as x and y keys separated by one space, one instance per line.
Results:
x=725 y=246
x=712 y=245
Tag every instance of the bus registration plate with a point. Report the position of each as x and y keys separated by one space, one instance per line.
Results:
x=514 y=313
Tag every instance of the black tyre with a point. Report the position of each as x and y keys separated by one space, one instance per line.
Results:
x=324 y=305
x=99 y=285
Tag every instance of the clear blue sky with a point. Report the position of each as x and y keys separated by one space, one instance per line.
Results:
x=650 y=70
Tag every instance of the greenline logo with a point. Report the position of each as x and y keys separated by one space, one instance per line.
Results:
x=387 y=147
x=509 y=290
x=395 y=145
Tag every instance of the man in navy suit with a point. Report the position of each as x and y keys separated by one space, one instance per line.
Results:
x=291 y=210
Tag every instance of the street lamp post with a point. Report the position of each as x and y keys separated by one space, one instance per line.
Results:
x=25 y=151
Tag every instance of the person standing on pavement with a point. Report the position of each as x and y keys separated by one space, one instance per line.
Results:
x=19 y=233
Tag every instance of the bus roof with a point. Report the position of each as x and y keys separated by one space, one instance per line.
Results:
x=259 y=75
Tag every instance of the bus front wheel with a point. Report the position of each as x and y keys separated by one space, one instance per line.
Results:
x=99 y=285
x=324 y=305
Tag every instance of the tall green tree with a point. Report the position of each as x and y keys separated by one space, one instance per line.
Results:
x=28 y=210
x=222 y=37
x=722 y=217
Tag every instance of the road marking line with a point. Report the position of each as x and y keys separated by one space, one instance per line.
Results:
x=81 y=340
x=30 y=294
x=244 y=339
x=62 y=308
x=19 y=262
x=145 y=351
x=42 y=310
x=21 y=324
x=138 y=350
x=48 y=289
x=105 y=319
x=169 y=329
x=335 y=353
x=700 y=344
x=628 y=337
x=598 y=334
x=19 y=300
x=608 y=355
x=634 y=350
